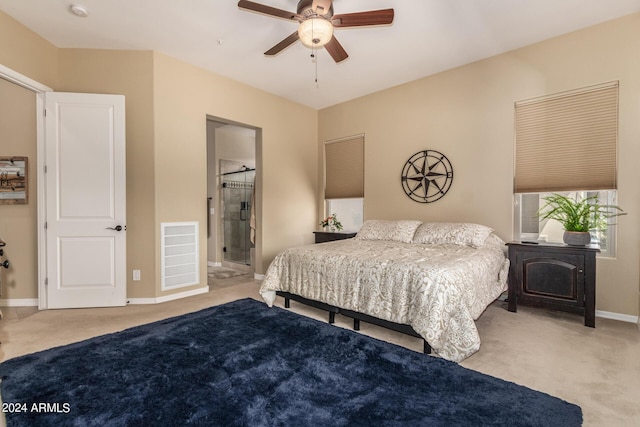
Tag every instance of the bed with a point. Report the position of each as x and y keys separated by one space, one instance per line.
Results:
x=435 y=279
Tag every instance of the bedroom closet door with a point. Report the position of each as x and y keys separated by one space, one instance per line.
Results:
x=85 y=200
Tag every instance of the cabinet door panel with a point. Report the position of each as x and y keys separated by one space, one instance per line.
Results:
x=550 y=277
x=554 y=276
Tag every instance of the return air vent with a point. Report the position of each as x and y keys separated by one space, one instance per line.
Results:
x=180 y=254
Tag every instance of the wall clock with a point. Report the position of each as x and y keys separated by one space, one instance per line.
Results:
x=427 y=176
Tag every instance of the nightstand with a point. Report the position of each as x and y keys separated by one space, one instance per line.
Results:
x=555 y=276
x=327 y=236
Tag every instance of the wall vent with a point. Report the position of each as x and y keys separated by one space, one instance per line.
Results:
x=180 y=254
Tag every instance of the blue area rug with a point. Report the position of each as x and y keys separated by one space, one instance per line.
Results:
x=244 y=364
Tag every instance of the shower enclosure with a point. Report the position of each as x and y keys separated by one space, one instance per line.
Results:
x=237 y=193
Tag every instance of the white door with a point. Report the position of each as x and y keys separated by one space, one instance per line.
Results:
x=85 y=199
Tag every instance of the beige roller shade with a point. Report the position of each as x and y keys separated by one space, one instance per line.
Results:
x=568 y=141
x=344 y=168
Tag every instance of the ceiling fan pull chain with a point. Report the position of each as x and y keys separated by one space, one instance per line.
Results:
x=316 y=61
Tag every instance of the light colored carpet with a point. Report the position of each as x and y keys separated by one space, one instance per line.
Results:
x=597 y=369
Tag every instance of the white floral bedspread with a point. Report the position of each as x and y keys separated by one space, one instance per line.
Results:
x=437 y=289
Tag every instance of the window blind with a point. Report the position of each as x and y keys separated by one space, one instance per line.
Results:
x=567 y=141
x=344 y=168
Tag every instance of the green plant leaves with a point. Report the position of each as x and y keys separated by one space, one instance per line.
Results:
x=578 y=214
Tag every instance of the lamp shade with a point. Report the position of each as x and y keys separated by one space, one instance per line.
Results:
x=315 y=32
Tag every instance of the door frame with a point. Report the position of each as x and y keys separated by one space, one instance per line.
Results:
x=39 y=90
x=258 y=264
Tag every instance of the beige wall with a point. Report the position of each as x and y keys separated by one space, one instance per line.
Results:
x=467 y=114
x=286 y=156
x=167 y=103
x=18 y=222
x=24 y=51
x=129 y=73
x=29 y=54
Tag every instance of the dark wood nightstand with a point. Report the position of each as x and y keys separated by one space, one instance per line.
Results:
x=554 y=276
x=327 y=236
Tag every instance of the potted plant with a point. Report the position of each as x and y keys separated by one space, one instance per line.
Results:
x=578 y=216
x=331 y=222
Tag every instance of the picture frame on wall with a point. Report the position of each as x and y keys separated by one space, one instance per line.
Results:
x=13 y=180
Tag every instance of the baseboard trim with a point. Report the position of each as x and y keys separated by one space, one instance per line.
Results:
x=617 y=316
x=214 y=264
x=258 y=276
x=19 y=302
x=31 y=302
x=172 y=297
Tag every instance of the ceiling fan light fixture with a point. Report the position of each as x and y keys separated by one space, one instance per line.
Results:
x=315 y=32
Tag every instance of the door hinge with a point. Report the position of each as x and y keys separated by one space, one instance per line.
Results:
x=45 y=168
x=45 y=112
x=45 y=225
x=46 y=281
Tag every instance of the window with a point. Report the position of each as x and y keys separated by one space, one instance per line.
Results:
x=344 y=180
x=530 y=227
x=565 y=143
x=348 y=211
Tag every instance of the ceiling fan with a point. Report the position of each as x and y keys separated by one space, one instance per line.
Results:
x=316 y=23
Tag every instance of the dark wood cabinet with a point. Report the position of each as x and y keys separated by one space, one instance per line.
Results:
x=554 y=276
x=328 y=236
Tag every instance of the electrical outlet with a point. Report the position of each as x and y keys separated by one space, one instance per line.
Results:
x=136 y=274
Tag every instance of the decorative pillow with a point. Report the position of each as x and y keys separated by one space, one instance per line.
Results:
x=399 y=231
x=468 y=234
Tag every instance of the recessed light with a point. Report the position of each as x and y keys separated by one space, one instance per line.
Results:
x=79 y=10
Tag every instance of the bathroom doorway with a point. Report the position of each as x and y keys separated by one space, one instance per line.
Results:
x=231 y=198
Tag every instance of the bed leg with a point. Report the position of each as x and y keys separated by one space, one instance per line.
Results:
x=332 y=317
x=287 y=303
x=356 y=324
x=427 y=347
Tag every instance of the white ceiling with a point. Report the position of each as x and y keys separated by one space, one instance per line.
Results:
x=427 y=36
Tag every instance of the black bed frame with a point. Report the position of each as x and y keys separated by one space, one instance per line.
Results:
x=356 y=316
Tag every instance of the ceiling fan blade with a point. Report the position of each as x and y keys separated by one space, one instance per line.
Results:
x=283 y=44
x=268 y=10
x=359 y=19
x=324 y=6
x=336 y=50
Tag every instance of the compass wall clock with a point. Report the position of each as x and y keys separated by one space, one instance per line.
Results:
x=427 y=176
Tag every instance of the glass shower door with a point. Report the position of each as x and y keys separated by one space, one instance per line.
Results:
x=237 y=190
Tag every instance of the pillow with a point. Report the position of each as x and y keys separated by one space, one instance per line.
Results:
x=467 y=234
x=494 y=240
x=398 y=231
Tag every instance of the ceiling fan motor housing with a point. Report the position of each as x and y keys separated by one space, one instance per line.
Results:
x=305 y=10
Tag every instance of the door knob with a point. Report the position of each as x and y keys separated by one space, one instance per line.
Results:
x=117 y=228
